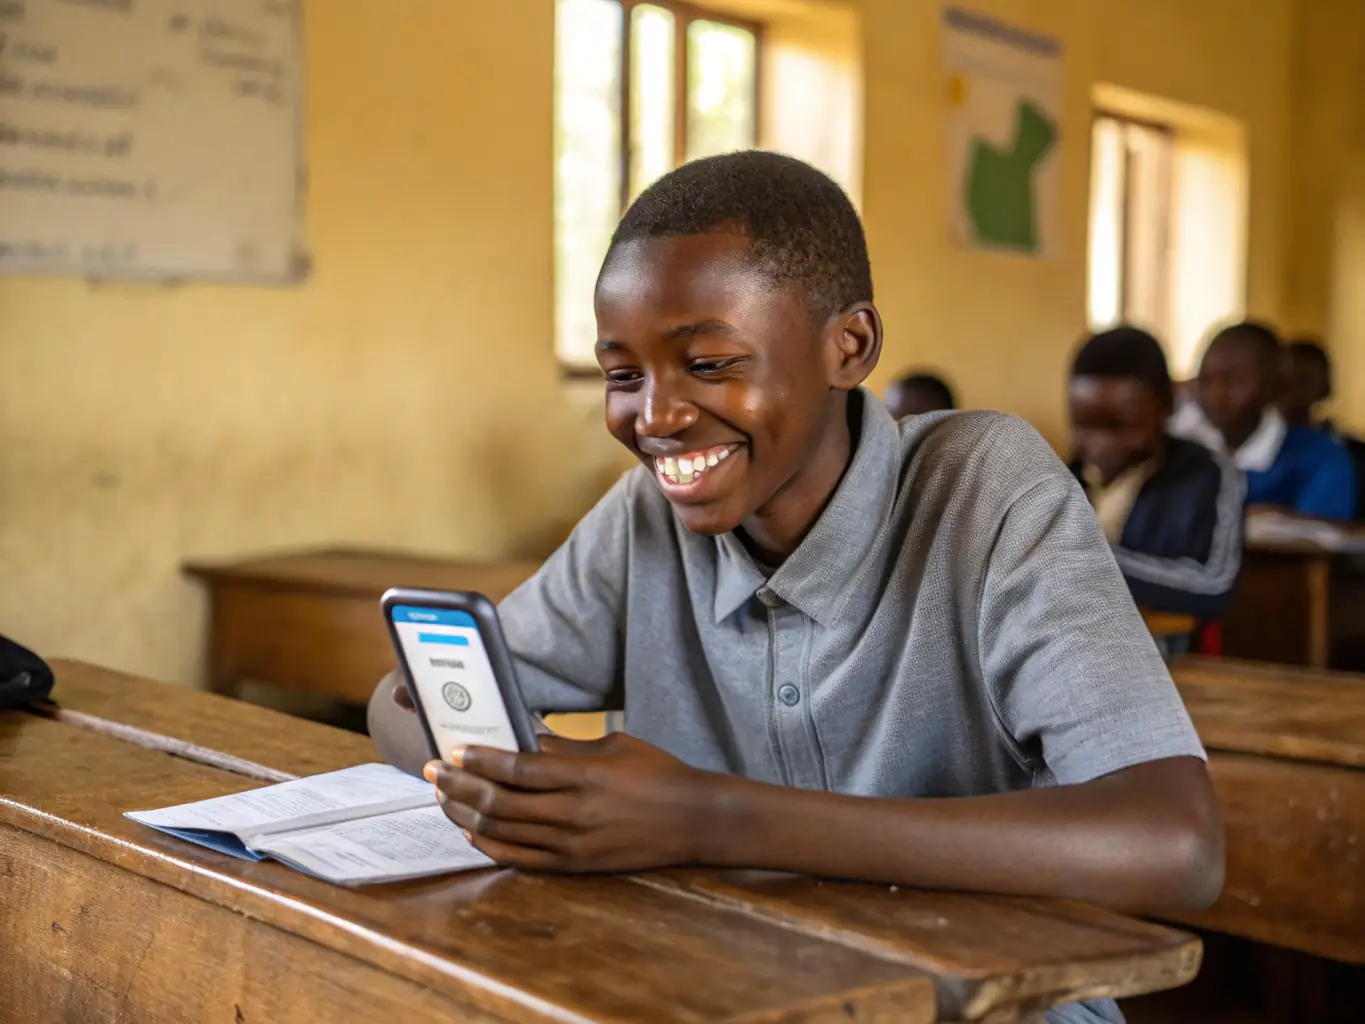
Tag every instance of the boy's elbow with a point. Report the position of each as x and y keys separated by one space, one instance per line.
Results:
x=1198 y=860
x=1200 y=870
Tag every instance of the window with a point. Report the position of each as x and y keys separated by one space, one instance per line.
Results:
x=1168 y=192
x=640 y=87
x=1130 y=218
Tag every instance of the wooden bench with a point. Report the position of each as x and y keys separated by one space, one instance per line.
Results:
x=111 y=921
x=1287 y=755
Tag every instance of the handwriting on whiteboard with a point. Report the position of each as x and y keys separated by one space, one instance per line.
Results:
x=153 y=137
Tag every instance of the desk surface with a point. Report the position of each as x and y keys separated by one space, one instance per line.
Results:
x=366 y=573
x=1287 y=757
x=1281 y=711
x=678 y=945
x=310 y=620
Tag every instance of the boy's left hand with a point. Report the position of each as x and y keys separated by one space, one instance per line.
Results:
x=614 y=804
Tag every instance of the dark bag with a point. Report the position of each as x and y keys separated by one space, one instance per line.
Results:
x=24 y=677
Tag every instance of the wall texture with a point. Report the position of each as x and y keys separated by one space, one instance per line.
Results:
x=407 y=395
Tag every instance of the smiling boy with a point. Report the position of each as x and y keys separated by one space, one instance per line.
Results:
x=847 y=647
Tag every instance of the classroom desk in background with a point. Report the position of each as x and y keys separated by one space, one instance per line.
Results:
x=1298 y=604
x=1287 y=756
x=109 y=920
x=310 y=620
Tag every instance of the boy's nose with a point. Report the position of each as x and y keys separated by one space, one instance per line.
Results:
x=663 y=412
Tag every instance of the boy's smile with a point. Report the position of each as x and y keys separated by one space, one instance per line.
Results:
x=724 y=385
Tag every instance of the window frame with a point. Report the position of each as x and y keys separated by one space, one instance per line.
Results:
x=684 y=13
x=1126 y=213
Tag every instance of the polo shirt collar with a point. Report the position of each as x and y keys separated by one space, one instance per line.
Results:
x=1257 y=453
x=820 y=574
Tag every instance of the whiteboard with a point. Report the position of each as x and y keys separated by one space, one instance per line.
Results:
x=152 y=139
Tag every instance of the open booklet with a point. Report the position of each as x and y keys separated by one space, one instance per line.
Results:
x=370 y=823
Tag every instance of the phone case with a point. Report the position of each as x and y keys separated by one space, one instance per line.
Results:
x=485 y=616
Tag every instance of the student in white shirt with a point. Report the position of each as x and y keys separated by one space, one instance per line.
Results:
x=1295 y=468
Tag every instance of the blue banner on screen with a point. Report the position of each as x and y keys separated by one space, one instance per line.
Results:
x=434 y=616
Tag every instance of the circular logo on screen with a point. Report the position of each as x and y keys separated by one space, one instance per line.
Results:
x=456 y=696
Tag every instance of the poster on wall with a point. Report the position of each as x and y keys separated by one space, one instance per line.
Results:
x=1002 y=116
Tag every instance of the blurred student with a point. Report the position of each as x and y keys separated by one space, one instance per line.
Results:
x=1291 y=467
x=917 y=393
x=1307 y=384
x=1171 y=509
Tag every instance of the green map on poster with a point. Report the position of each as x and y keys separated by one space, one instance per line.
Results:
x=1001 y=184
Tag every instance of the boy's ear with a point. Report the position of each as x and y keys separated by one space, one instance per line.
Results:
x=855 y=344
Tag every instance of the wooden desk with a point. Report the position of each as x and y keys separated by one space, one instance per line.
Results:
x=310 y=621
x=1287 y=756
x=1297 y=604
x=112 y=921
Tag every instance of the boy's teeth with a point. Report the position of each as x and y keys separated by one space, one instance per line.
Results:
x=689 y=467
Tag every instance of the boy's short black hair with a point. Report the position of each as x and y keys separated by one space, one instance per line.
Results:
x=802 y=226
x=1125 y=352
x=1258 y=337
x=931 y=385
x=1314 y=355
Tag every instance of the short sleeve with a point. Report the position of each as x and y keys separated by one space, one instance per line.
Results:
x=565 y=625
x=1070 y=667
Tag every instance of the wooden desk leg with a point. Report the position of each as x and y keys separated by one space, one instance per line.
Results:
x=1319 y=614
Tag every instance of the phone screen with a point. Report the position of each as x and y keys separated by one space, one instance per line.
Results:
x=449 y=665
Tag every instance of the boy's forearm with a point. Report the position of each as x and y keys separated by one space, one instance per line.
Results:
x=396 y=733
x=1121 y=841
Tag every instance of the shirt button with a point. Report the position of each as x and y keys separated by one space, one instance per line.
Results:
x=789 y=695
x=768 y=599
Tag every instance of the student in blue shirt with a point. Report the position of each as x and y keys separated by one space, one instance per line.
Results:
x=1291 y=467
x=1170 y=509
x=1307 y=384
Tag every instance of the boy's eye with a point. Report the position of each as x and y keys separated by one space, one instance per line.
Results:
x=626 y=376
x=707 y=367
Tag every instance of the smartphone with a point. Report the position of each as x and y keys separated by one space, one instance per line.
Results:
x=458 y=670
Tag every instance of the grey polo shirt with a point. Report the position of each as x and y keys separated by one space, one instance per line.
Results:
x=954 y=624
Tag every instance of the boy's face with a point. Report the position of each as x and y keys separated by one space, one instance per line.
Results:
x=1116 y=423
x=718 y=380
x=1234 y=384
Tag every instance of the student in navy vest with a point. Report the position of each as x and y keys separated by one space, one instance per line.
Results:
x=1171 y=509
x=1296 y=468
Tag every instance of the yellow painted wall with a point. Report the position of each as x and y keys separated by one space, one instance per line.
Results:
x=1328 y=83
x=1326 y=253
x=1003 y=326
x=407 y=395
